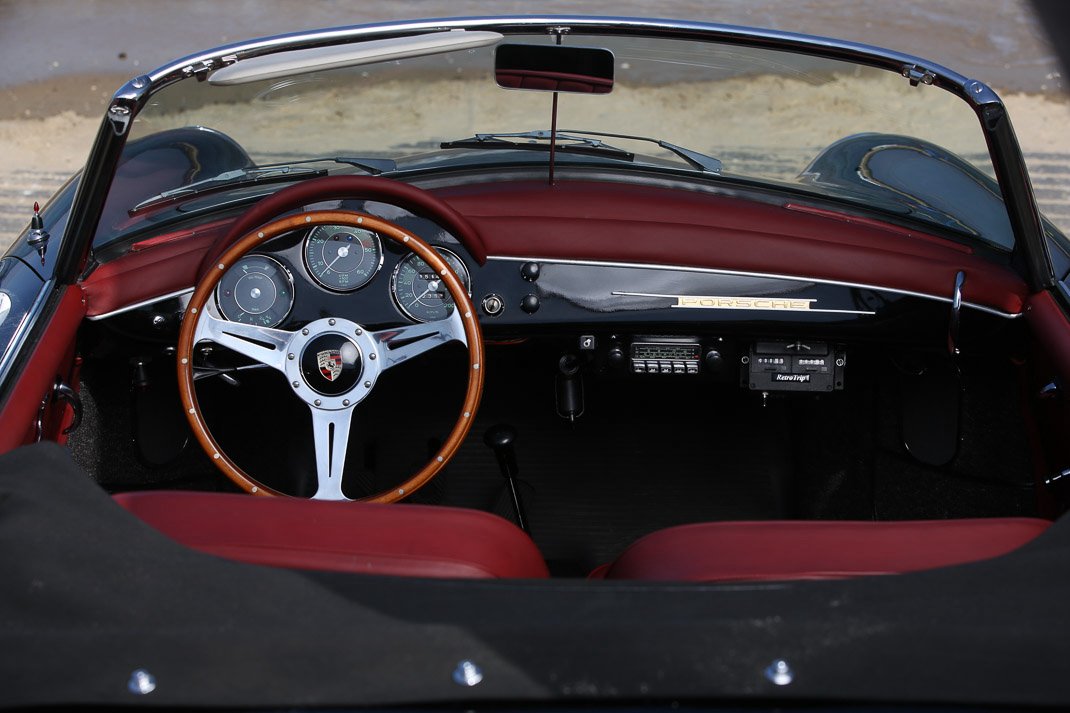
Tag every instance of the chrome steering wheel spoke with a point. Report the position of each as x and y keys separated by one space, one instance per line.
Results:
x=399 y=344
x=331 y=432
x=262 y=344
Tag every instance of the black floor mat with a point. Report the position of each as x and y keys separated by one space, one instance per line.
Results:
x=675 y=453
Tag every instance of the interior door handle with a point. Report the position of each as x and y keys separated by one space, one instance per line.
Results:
x=60 y=391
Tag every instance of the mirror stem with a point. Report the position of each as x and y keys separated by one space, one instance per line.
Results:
x=553 y=137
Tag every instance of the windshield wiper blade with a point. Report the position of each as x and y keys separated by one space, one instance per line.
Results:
x=701 y=161
x=257 y=175
x=577 y=144
x=374 y=166
x=581 y=143
x=237 y=178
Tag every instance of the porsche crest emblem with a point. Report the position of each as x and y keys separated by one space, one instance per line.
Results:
x=330 y=363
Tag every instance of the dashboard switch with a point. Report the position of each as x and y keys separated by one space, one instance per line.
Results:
x=493 y=305
x=530 y=304
x=530 y=271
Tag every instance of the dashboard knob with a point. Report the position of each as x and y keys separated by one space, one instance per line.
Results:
x=615 y=354
x=530 y=271
x=493 y=305
x=714 y=360
x=530 y=304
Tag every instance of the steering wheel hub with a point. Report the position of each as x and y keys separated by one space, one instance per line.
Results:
x=331 y=364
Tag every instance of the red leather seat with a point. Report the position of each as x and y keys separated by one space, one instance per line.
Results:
x=403 y=540
x=784 y=550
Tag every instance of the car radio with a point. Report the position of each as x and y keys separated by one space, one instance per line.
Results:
x=665 y=355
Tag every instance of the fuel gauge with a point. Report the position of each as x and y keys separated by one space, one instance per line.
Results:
x=257 y=290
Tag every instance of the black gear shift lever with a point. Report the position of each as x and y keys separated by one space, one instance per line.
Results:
x=500 y=439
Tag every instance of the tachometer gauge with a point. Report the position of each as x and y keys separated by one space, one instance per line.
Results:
x=419 y=291
x=256 y=290
x=341 y=258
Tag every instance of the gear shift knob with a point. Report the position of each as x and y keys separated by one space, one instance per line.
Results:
x=500 y=438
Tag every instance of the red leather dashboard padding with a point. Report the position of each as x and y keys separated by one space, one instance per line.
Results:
x=399 y=540
x=782 y=550
x=342 y=187
x=633 y=223
x=157 y=266
x=614 y=222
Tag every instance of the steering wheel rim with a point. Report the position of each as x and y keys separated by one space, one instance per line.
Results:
x=376 y=352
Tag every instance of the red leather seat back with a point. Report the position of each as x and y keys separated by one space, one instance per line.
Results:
x=783 y=550
x=402 y=540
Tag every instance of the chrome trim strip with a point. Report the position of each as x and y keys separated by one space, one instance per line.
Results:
x=15 y=346
x=143 y=303
x=741 y=273
x=742 y=309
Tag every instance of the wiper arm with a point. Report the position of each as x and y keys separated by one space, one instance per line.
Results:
x=581 y=143
x=577 y=144
x=256 y=175
x=374 y=166
x=237 y=178
x=701 y=161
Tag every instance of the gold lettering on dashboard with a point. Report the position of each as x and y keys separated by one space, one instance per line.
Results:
x=753 y=303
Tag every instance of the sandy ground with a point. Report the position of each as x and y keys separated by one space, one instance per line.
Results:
x=49 y=117
x=39 y=154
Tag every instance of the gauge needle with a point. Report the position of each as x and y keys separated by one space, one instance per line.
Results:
x=420 y=296
x=342 y=252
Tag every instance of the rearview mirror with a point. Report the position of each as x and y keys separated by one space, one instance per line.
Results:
x=554 y=68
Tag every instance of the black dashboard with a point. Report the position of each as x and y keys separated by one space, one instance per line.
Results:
x=763 y=331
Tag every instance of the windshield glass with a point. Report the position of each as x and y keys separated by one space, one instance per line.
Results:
x=831 y=128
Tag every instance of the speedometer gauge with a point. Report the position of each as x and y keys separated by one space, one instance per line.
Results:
x=257 y=290
x=420 y=292
x=341 y=258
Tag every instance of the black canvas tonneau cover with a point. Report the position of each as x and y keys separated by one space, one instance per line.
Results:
x=89 y=594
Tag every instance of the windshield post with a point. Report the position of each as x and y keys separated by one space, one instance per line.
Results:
x=101 y=166
x=1013 y=178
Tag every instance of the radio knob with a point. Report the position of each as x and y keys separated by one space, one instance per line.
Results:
x=714 y=361
x=615 y=355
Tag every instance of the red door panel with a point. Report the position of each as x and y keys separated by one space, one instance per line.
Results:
x=52 y=358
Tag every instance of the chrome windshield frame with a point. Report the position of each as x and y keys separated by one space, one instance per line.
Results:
x=1006 y=155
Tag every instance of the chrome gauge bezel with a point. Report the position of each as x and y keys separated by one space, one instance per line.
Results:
x=319 y=281
x=285 y=271
x=466 y=279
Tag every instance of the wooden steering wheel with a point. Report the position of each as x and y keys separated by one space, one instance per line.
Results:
x=355 y=358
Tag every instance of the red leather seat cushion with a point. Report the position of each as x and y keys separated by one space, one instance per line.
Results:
x=781 y=550
x=403 y=540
